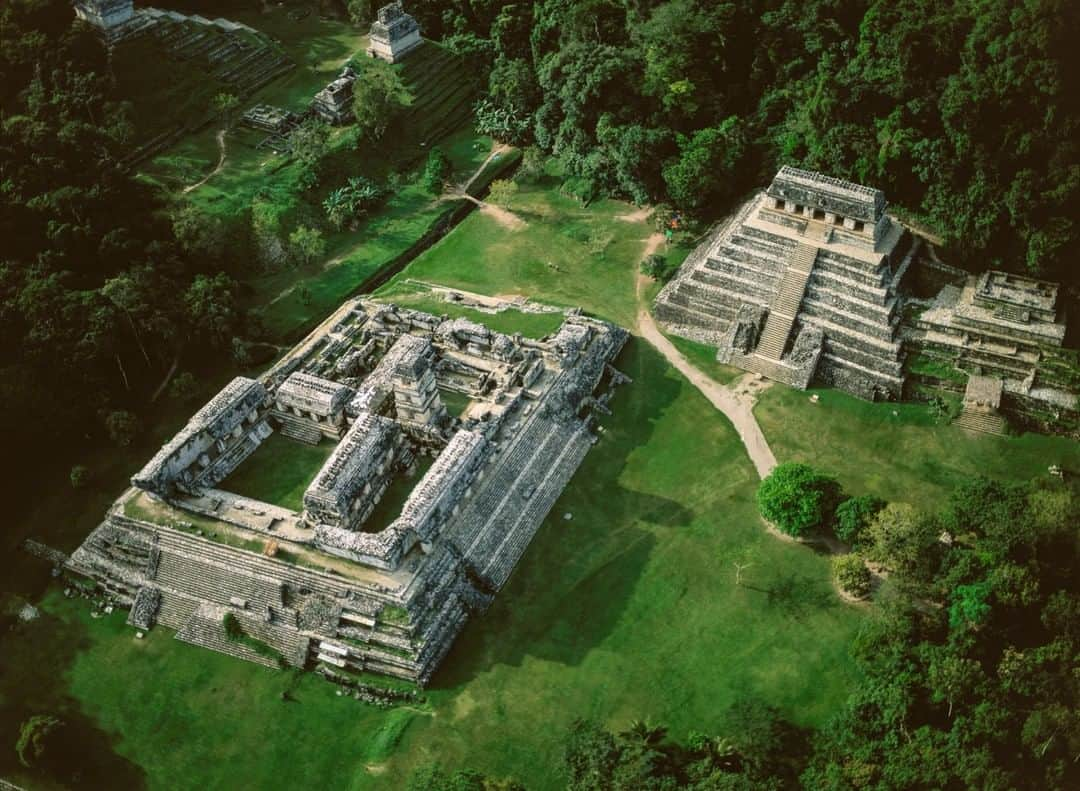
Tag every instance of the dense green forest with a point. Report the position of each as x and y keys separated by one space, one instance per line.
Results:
x=969 y=669
x=97 y=296
x=961 y=110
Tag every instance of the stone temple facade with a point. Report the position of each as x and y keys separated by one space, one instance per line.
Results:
x=333 y=584
x=800 y=285
x=333 y=103
x=105 y=15
x=394 y=34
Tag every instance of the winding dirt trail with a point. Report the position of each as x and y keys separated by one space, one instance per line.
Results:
x=221 y=164
x=737 y=406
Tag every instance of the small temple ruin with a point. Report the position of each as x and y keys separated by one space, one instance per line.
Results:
x=805 y=285
x=337 y=584
x=333 y=103
x=394 y=34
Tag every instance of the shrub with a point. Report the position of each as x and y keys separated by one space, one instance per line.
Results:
x=233 y=629
x=79 y=476
x=797 y=498
x=658 y=268
x=502 y=192
x=437 y=171
x=183 y=387
x=852 y=575
x=122 y=426
x=854 y=515
x=33 y=737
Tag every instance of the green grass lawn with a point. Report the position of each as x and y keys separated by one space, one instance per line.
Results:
x=628 y=610
x=510 y=321
x=906 y=456
x=454 y=402
x=389 y=507
x=279 y=471
x=556 y=257
x=704 y=358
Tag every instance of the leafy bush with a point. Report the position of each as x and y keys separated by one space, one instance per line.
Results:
x=122 y=426
x=33 y=735
x=853 y=516
x=658 y=268
x=233 y=629
x=79 y=476
x=852 y=575
x=797 y=498
x=502 y=192
x=437 y=171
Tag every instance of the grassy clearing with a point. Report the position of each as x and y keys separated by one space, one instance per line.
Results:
x=279 y=471
x=558 y=256
x=628 y=610
x=454 y=402
x=902 y=456
x=389 y=507
x=510 y=321
x=704 y=358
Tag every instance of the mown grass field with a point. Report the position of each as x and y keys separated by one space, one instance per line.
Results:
x=898 y=451
x=566 y=254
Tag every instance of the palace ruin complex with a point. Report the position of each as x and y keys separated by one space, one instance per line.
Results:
x=330 y=583
x=805 y=284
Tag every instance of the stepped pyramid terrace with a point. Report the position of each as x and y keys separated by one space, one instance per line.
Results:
x=1005 y=326
x=800 y=285
x=808 y=283
x=412 y=523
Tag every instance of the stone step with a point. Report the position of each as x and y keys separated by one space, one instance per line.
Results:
x=985 y=422
x=296 y=428
x=785 y=305
x=205 y=628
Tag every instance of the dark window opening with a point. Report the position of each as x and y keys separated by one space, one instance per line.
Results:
x=778 y=203
x=859 y=225
x=819 y=214
x=838 y=220
x=798 y=208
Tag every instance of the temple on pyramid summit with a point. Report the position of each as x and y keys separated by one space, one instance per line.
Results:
x=800 y=286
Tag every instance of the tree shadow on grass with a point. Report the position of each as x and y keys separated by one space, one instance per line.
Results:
x=36 y=658
x=572 y=587
x=796 y=596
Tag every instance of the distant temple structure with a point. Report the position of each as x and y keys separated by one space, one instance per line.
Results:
x=800 y=286
x=394 y=34
x=333 y=103
x=105 y=15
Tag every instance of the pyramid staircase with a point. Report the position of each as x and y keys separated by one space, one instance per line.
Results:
x=785 y=305
x=984 y=422
x=296 y=428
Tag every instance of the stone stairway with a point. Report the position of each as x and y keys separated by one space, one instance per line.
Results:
x=205 y=628
x=296 y=428
x=785 y=305
x=985 y=422
x=770 y=369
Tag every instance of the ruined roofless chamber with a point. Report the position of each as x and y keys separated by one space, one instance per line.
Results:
x=800 y=286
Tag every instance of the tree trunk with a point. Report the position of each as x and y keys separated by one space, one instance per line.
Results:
x=123 y=373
